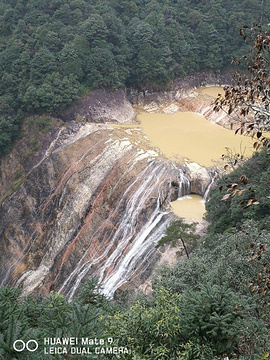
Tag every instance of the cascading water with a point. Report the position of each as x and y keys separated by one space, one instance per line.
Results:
x=95 y=207
x=141 y=249
x=144 y=243
x=144 y=218
x=214 y=177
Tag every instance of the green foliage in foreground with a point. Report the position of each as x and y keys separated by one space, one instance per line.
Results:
x=37 y=317
x=215 y=303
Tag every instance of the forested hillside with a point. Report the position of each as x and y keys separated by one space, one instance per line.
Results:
x=230 y=213
x=53 y=52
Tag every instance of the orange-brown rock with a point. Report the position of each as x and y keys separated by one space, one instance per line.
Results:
x=93 y=203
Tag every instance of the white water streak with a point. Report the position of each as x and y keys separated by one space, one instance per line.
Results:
x=209 y=187
x=126 y=229
x=137 y=252
x=133 y=242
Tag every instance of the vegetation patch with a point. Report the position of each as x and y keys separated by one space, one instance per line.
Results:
x=53 y=52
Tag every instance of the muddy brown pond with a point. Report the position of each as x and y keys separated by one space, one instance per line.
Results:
x=188 y=136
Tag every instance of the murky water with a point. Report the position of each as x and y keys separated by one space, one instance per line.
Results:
x=189 y=207
x=189 y=136
x=212 y=91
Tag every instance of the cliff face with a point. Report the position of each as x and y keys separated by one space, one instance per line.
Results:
x=94 y=202
x=102 y=106
x=183 y=95
x=180 y=89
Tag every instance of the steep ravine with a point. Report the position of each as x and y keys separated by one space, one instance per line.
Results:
x=95 y=203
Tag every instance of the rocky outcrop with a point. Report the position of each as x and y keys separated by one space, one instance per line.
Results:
x=94 y=201
x=201 y=179
x=102 y=106
x=155 y=99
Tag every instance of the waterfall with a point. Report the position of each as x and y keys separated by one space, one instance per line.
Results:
x=210 y=185
x=141 y=249
x=184 y=184
x=142 y=223
x=143 y=245
x=100 y=209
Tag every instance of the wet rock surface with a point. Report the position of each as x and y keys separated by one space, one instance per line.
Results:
x=94 y=201
x=95 y=207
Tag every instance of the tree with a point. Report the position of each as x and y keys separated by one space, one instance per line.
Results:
x=94 y=29
x=70 y=61
x=44 y=62
x=152 y=330
x=211 y=315
x=224 y=292
x=247 y=100
x=102 y=68
x=52 y=94
x=141 y=43
x=179 y=231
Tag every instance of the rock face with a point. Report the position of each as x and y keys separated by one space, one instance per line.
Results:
x=95 y=207
x=153 y=99
x=95 y=202
x=182 y=96
x=102 y=106
x=201 y=179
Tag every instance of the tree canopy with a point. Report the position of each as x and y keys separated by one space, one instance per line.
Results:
x=251 y=184
x=247 y=99
x=52 y=52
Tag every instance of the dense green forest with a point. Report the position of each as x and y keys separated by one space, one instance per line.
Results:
x=214 y=304
x=232 y=212
x=53 y=52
